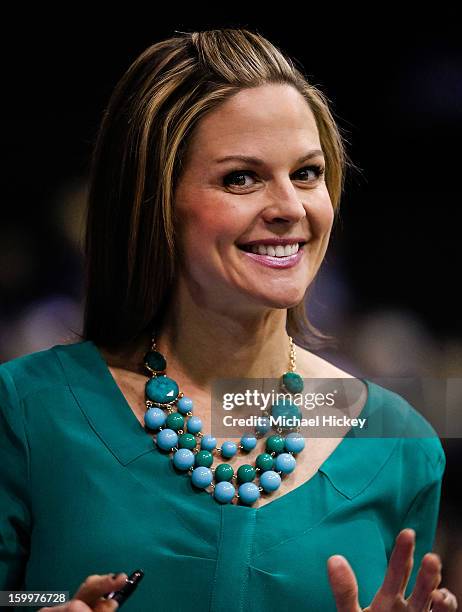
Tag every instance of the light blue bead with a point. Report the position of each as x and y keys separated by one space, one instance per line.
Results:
x=248 y=493
x=228 y=448
x=184 y=405
x=201 y=477
x=208 y=442
x=270 y=480
x=224 y=492
x=285 y=463
x=194 y=424
x=167 y=439
x=154 y=418
x=183 y=459
x=248 y=442
x=294 y=442
x=263 y=424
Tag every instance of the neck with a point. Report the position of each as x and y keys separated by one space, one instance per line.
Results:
x=203 y=344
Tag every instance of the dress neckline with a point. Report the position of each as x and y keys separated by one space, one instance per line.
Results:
x=89 y=377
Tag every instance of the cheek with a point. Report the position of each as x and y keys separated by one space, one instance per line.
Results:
x=209 y=225
x=321 y=213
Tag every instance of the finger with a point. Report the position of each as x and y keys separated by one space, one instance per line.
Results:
x=96 y=585
x=400 y=565
x=428 y=579
x=73 y=605
x=443 y=601
x=343 y=583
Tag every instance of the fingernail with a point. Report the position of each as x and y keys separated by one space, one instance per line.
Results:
x=115 y=576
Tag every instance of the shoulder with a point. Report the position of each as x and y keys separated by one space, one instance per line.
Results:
x=395 y=416
x=311 y=365
x=420 y=444
x=31 y=373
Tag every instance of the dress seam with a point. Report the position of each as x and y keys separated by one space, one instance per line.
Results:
x=219 y=555
x=247 y=564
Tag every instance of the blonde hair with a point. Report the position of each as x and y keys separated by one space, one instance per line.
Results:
x=140 y=149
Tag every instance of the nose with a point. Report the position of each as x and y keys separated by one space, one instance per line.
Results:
x=285 y=207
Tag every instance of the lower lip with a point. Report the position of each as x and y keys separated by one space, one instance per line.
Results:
x=276 y=262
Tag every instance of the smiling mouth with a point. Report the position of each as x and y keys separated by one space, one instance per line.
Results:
x=272 y=250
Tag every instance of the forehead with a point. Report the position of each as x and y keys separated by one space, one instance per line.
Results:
x=256 y=119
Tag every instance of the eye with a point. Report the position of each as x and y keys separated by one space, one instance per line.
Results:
x=232 y=177
x=318 y=170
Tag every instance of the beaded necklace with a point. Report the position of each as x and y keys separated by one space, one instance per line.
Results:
x=169 y=411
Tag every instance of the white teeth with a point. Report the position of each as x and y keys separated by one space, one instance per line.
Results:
x=275 y=251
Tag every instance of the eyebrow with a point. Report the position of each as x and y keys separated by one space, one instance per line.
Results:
x=260 y=162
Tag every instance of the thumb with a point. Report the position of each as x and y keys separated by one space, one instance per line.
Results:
x=343 y=582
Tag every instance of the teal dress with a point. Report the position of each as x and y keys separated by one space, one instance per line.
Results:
x=83 y=490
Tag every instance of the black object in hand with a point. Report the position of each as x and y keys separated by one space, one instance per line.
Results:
x=124 y=593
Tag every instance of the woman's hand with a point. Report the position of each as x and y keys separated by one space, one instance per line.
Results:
x=390 y=597
x=89 y=595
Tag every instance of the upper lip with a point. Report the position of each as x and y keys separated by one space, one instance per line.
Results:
x=274 y=240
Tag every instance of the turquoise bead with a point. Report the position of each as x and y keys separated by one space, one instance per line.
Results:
x=183 y=459
x=155 y=361
x=224 y=492
x=175 y=421
x=264 y=462
x=208 y=442
x=275 y=444
x=270 y=481
x=246 y=473
x=248 y=493
x=284 y=409
x=162 y=389
x=294 y=442
x=285 y=463
x=248 y=442
x=185 y=405
x=201 y=477
x=263 y=425
x=154 y=418
x=194 y=424
x=187 y=440
x=205 y=458
x=293 y=382
x=228 y=449
x=167 y=439
x=223 y=471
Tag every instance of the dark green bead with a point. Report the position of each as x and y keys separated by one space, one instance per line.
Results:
x=275 y=444
x=265 y=462
x=204 y=458
x=155 y=360
x=293 y=382
x=246 y=473
x=223 y=472
x=174 y=421
x=187 y=440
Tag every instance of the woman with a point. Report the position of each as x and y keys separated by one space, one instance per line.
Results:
x=170 y=248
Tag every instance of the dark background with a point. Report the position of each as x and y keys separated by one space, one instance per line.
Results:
x=395 y=83
x=389 y=289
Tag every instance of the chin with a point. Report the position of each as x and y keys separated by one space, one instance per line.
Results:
x=282 y=301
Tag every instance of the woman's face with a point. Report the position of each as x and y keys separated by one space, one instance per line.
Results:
x=220 y=206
